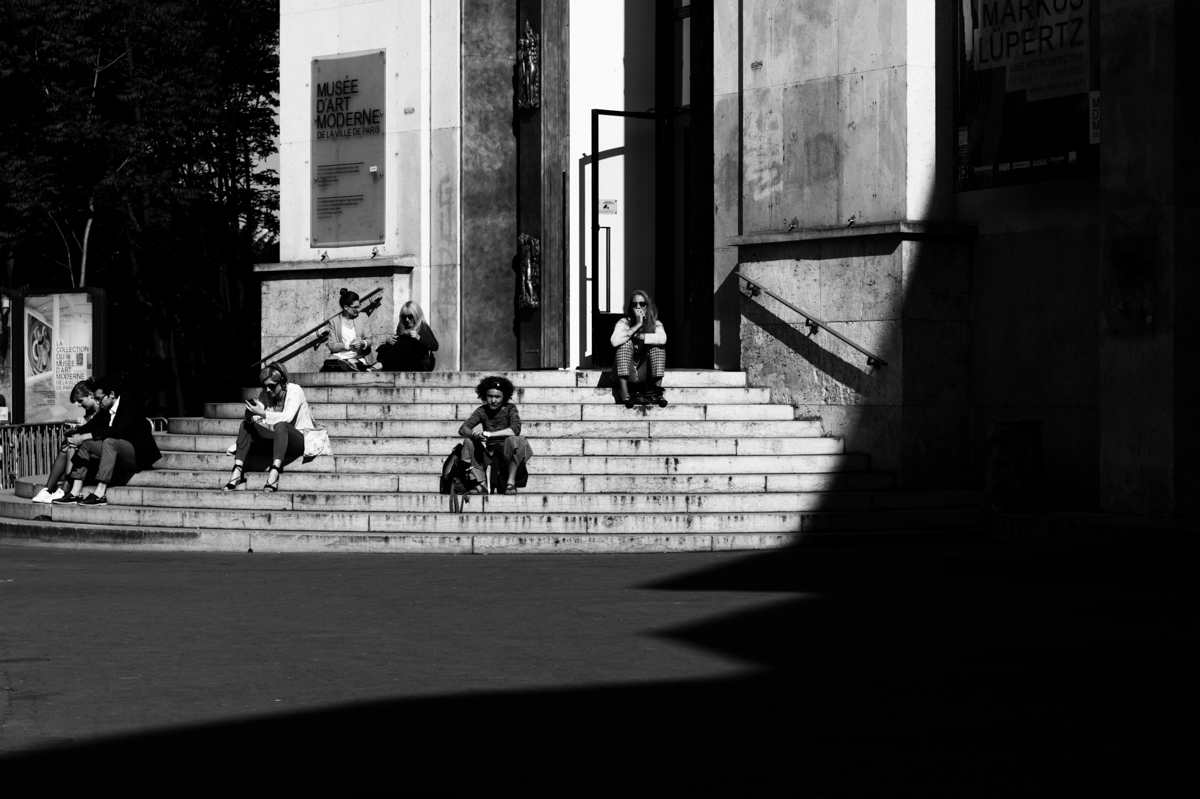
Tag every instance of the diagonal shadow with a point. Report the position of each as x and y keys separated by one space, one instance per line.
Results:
x=932 y=670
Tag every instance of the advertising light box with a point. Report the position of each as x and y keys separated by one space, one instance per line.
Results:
x=61 y=342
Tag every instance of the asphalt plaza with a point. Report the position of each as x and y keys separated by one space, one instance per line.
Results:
x=971 y=667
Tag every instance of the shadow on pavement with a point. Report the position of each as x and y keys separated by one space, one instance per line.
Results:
x=964 y=670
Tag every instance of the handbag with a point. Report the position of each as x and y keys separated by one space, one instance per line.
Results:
x=316 y=442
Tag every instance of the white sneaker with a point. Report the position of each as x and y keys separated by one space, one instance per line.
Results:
x=46 y=497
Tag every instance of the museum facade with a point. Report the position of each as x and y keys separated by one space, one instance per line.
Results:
x=918 y=221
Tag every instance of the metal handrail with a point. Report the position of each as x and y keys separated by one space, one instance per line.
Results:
x=27 y=449
x=369 y=309
x=811 y=321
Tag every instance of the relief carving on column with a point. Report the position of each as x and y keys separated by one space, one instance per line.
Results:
x=529 y=271
x=529 y=77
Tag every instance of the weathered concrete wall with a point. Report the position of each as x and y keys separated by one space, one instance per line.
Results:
x=903 y=297
x=295 y=299
x=840 y=102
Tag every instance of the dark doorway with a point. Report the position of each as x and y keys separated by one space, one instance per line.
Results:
x=682 y=118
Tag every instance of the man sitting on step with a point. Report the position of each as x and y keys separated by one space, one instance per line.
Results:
x=128 y=442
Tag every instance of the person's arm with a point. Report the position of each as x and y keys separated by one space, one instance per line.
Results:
x=474 y=420
x=658 y=337
x=622 y=332
x=292 y=401
x=428 y=340
x=334 y=341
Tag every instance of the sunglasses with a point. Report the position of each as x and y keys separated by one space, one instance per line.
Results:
x=270 y=386
x=639 y=305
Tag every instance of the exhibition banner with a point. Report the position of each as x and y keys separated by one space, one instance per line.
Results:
x=1027 y=95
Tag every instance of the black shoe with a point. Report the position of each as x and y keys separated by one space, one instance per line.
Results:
x=662 y=401
x=92 y=500
x=627 y=402
x=66 y=499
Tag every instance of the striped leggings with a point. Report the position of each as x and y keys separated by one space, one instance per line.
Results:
x=640 y=364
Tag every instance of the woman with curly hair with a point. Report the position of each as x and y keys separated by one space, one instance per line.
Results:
x=493 y=432
x=640 y=339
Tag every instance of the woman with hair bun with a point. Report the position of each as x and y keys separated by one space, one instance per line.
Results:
x=348 y=346
x=275 y=424
x=81 y=395
x=412 y=348
x=493 y=432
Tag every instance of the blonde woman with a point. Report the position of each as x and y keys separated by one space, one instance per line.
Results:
x=412 y=348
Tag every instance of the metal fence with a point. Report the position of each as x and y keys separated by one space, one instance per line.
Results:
x=27 y=449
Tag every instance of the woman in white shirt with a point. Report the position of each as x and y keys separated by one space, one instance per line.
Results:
x=348 y=347
x=639 y=339
x=275 y=423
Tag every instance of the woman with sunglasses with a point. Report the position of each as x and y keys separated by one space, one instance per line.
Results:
x=639 y=339
x=275 y=423
x=81 y=395
x=412 y=348
x=348 y=347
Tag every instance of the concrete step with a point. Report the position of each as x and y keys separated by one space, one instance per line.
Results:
x=524 y=502
x=636 y=466
x=326 y=412
x=674 y=378
x=501 y=517
x=444 y=395
x=169 y=442
x=353 y=484
x=642 y=427
x=166 y=539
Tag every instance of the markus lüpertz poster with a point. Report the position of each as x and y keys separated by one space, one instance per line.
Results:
x=1027 y=98
x=57 y=338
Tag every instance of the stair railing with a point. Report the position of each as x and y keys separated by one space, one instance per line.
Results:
x=813 y=323
x=27 y=449
x=368 y=309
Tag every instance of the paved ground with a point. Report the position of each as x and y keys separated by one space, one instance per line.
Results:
x=944 y=669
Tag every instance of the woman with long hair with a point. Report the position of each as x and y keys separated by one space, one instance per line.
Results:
x=348 y=346
x=412 y=348
x=492 y=433
x=640 y=338
x=274 y=424
x=81 y=395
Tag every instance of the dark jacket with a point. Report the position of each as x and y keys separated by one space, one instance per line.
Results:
x=130 y=424
x=99 y=421
x=409 y=354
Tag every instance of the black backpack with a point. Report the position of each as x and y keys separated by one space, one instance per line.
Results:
x=456 y=475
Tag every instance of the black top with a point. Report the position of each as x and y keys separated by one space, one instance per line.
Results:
x=410 y=354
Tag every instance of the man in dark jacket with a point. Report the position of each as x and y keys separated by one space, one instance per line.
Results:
x=127 y=441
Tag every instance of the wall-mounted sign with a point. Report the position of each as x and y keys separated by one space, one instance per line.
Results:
x=60 y=337
x=608 y=206
x=348 y=150
x=1027 y=95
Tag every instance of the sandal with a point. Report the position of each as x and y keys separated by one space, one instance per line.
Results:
x=510 y=489
x=272 y=485
x=237 y=482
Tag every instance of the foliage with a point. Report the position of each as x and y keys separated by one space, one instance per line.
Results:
x=132 y=147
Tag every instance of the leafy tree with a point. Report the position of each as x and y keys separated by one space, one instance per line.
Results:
x=132 y=147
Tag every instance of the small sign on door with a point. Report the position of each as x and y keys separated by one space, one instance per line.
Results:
x=608 y=206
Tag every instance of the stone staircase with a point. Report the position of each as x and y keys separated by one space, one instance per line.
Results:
x=719 y=469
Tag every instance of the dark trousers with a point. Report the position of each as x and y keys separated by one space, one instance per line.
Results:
x=106 y=456
x=284 y=442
